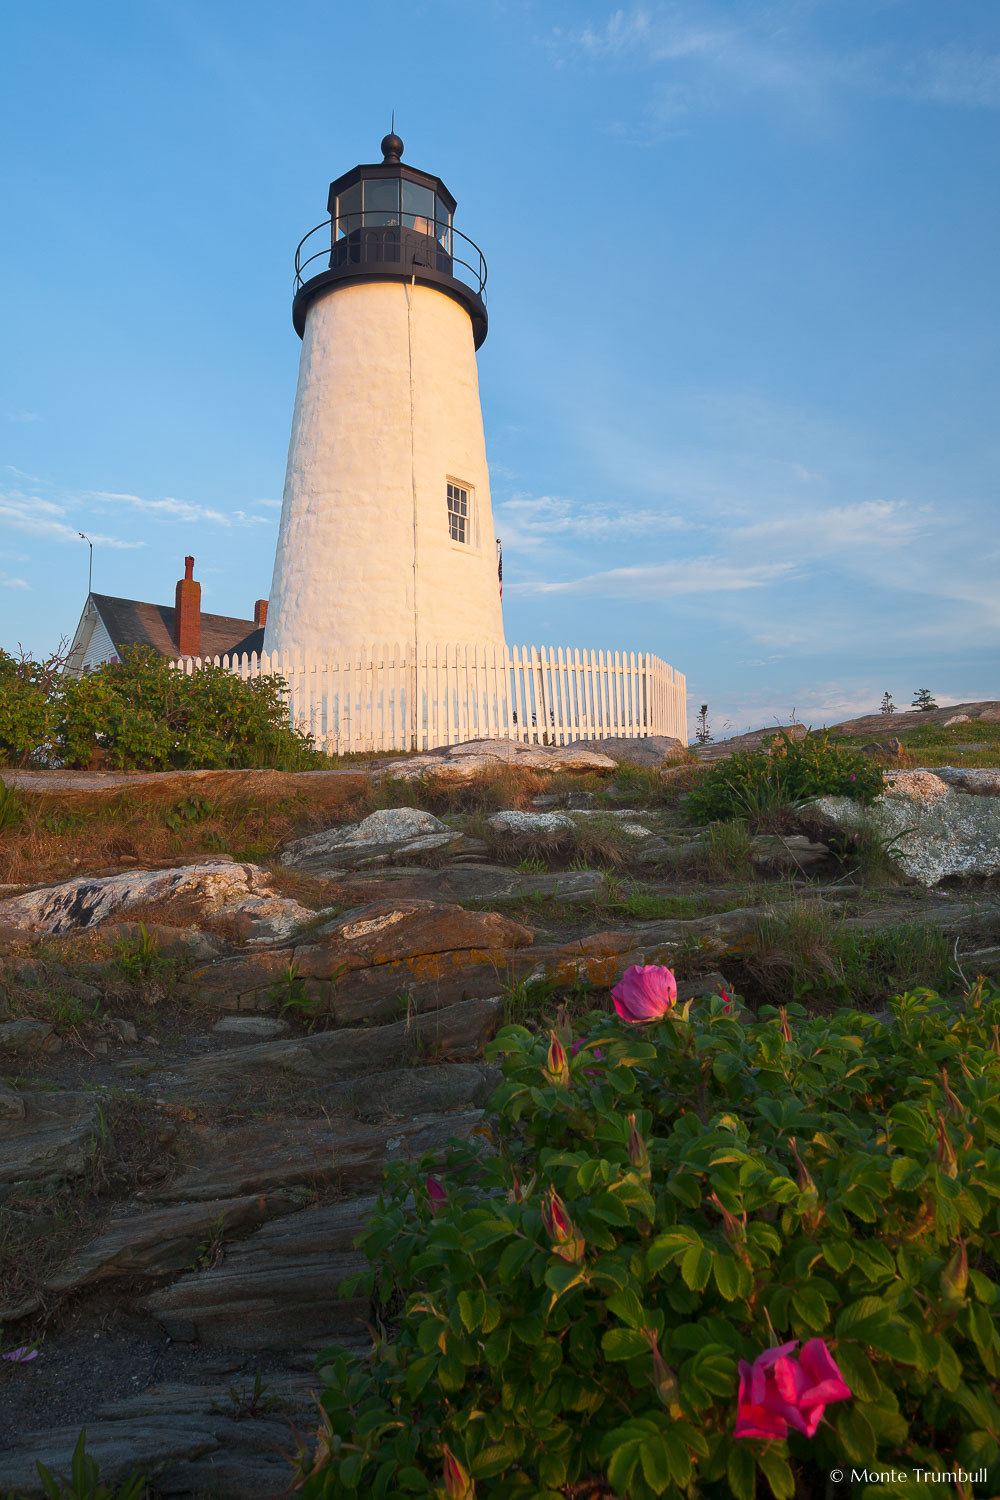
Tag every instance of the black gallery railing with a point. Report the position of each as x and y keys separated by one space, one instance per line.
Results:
x=367 y=240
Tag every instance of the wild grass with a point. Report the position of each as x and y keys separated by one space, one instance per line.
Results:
x=594 y=843
x=934 y=745
x=724 y=853
x=808 y=952
x=53 y=837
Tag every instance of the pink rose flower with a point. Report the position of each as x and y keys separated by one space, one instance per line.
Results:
x=21 y=1356
x=436 y=1192
x=778 y=1392
x=644 y=993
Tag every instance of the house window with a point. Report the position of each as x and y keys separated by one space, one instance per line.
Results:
x=460 y=501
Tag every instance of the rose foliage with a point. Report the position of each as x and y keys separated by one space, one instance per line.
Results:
x=784 y=772
x=579 y=1304
x=142 y=714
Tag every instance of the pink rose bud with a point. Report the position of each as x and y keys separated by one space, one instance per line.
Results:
x=645 y=992
x=436 y=1192
x=786 y=1030
x=638 y=1153
x=727 y=1003
x=945 y=1155
x=777 y=1392
x=567 y=1242
x=557 y=1063
x=457 y=1483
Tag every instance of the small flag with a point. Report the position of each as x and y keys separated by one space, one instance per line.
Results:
x=500 y=566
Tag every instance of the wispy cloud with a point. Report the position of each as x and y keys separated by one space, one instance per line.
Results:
x=171 y=509
x=692 y=575
x=702 y=55
x=879 y=524
x=23 y=416
x=7 y=582
x=530 y=521
x=39 y=518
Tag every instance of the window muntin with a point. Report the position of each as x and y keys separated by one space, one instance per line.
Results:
x=460 y=512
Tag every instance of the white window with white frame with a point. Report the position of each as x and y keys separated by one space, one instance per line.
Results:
x=461 y=513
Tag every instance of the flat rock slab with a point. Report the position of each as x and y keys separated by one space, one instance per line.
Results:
x=53 y=1139
x=930 y=830
x=456 y=1032
x=416 y=953
x=277 y=1290
x=331 y=787
x=978 y=782
x=163 y=1240
x=184 y=1454
x=192 y=891
x=787 y=852
x=265 y=1158
x=389 y=833
x=476 y=758
x=652 y=750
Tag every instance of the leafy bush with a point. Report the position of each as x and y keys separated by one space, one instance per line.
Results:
x=783 y=774
x=665 y=1201
x=142 y=714
x=28 y=708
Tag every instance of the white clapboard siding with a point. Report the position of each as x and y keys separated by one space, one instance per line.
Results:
x=386 y=698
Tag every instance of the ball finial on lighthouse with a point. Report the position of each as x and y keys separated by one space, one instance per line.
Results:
x=392 y=149
x=386 y=532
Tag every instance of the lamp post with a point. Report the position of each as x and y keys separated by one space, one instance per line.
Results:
x=90 y=570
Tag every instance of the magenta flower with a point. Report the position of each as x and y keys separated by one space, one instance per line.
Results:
x=644 y=993
x=778 y=1392
x=436 y=1192
x=21 y=1356
x=727 y=1003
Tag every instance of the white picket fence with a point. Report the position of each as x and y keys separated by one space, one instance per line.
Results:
x=388 y=698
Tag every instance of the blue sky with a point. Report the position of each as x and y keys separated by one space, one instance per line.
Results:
x=740 y=387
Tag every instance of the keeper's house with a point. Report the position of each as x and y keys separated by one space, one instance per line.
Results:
x=108 y=626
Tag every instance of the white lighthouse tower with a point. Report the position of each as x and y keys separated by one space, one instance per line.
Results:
x=386 y=530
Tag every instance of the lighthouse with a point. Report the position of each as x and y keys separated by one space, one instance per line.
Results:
x=386 y=531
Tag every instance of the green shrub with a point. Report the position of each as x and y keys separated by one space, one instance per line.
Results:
x=723 y=1187
x=28 y=707
x=142 y=714
x=762 y=785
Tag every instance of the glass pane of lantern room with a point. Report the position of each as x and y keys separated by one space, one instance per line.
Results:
x=349 y=210
x=381 y=200
x=418 y=207
x=444 y=225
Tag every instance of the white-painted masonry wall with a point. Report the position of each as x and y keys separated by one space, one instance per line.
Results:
x=386 y=412
x=385 y=698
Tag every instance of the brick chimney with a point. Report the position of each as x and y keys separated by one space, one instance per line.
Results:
x=260 y=612
x=187 y=612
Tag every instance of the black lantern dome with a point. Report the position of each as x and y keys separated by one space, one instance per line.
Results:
x=390 y=222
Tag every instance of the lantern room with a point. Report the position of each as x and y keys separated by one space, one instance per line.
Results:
x=391 y=220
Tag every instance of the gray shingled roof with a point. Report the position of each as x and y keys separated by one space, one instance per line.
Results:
x=130 y=622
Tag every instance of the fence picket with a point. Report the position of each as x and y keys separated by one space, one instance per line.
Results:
x=395 y=697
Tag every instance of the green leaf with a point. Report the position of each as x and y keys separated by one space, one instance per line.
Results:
x=471 y=1308
x=856 y=1435
x=696 y=1267
x=838 y=1255
x=775 y=1470
x=655 y=1464
x=624 y=1343
x=667 y=1247
x=741 y=1472
x=726 y=1273
x=686 y=1188
x=811 y=1307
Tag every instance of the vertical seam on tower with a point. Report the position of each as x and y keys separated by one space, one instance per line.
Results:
x=413 y=492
